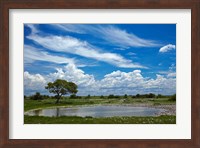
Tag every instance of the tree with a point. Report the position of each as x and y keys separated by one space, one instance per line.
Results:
x=125 y=96
x=150 y=95
x=138 y=96
x=61 y=87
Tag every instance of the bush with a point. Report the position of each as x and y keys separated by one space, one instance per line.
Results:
x=133 y=97
x=45 y=96
x=73 y=96
x=172 y=98
x=151 y=95
x=138 y=96
x=37 y=96
x=88 y=97
x=102 y=96
x=111 y=96
x=125 y=96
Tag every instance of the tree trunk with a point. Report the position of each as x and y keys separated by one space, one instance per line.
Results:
x=58 y=98
x=57 y=101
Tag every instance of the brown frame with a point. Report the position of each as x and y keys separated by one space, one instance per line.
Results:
x=5 y=5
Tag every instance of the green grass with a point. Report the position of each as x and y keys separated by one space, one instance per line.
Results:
x=34 y=104
x=109 y=120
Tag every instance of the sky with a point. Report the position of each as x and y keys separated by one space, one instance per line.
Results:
x=101 y=59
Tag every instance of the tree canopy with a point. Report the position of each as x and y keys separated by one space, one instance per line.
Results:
x=61 y=87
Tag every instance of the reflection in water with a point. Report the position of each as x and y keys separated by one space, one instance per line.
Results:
x=57 y=112
x=96 y=111
x=37 y=112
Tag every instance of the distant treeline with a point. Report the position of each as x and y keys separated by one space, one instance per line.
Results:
x=38 y=96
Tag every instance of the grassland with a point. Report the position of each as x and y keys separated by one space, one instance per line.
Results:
x=95 y=100
x=163 y=119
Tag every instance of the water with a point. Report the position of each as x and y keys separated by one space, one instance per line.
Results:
x=96 y=111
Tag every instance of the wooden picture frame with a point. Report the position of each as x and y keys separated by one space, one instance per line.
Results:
x=5 y=5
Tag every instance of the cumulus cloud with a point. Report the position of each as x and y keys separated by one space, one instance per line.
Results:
x=37 y=82
x=74 y=46
x=117 y=82
x=167 y=48
x=73 y=74
x=171 y=72
x=33 y=82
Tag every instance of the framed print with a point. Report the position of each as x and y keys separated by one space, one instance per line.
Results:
x=100 y=73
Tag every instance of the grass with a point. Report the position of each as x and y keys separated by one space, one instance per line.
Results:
x=108 y=120
x=34 y=104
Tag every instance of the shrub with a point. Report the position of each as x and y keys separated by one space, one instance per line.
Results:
x=133 y=97
x=37 y=96
x=88 y=97
x=72 y=96
x=150 y=95
x=111 y=96
x=138 y=96
x=172 y=98
x=102 y=96
x=125 y=96
x=117 y=97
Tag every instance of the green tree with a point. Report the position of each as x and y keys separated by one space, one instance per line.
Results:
x=61 y=87
x=150 y=95
x=138 y=96
x=125 y=96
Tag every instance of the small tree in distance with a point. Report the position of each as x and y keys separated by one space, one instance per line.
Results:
x=61 y=87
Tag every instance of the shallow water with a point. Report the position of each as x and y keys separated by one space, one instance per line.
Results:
x=96 y=111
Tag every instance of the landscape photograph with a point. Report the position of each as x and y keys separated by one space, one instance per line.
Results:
x=99 y=73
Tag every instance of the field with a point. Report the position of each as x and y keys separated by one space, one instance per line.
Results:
x=166 y=103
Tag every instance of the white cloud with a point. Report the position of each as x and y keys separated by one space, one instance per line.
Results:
x=171 y=72
x=167 y=48
x=131 y=53
x=33 y=28
x=33 y=82
x=125 y=39
x=71 y=73
x=70 y=28
x=37 y=82
x=74 y=46
x=32 y=54
x=117 y=36
x=117 y=82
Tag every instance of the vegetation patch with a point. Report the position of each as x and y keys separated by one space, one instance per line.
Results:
x=108 y=120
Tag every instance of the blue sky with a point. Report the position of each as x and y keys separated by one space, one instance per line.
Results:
x=101 y=58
